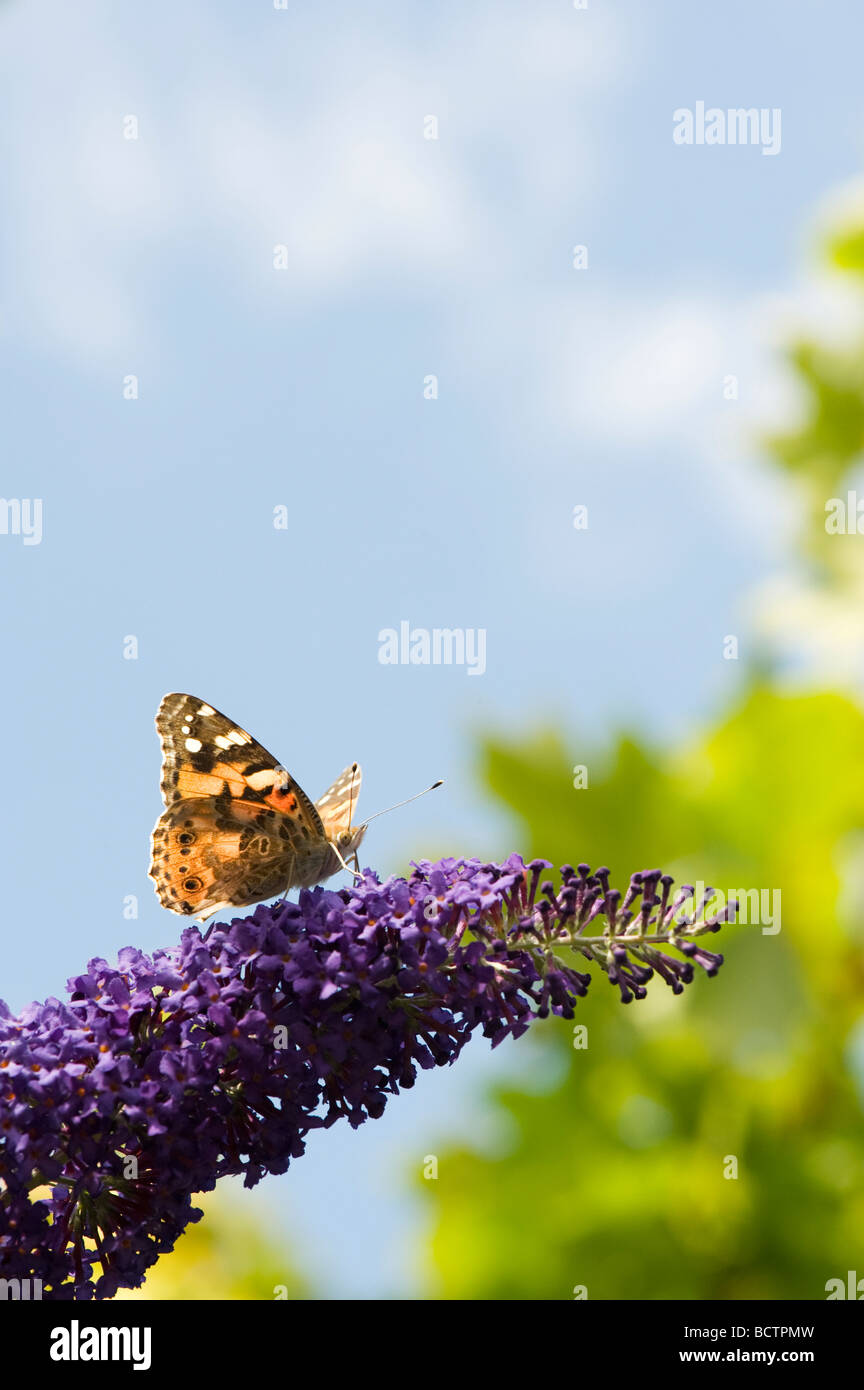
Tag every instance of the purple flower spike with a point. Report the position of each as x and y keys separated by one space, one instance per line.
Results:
x=218 y=1056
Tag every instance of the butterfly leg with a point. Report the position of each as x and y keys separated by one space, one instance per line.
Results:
x=338 y=853
x=289 y=882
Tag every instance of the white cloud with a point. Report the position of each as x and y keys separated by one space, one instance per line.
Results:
x=338 y=172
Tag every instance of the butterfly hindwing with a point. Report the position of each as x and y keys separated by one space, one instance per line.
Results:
x=213 y=852
x=336 y=806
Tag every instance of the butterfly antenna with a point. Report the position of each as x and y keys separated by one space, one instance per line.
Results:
x=351 y=802
x=397 y=804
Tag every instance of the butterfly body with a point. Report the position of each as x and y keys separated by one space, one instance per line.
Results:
x=237 y=828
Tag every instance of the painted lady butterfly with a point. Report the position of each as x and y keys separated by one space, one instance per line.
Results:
x=238 y=828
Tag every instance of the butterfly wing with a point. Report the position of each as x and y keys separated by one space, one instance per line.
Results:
x=254 y=832
x=204 y=752
x=336 y=806
x=212 y=852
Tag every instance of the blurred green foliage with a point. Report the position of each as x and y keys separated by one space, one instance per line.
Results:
x=613 y=1172
x=821 y=451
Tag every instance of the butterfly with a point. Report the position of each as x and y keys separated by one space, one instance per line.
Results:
x=237 y=828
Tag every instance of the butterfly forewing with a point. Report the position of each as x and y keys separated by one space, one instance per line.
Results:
x=204 y=752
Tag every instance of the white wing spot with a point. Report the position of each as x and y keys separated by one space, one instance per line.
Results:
x=193 y=745
x=221 y=741
x=206 y=709
x=259 y=780
x=238 y=736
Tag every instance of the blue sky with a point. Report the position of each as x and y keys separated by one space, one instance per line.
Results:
x=303 y=387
